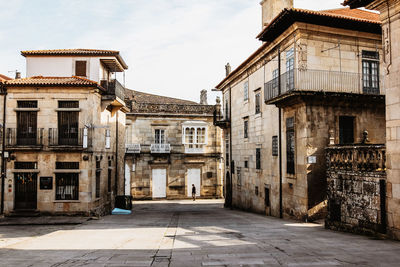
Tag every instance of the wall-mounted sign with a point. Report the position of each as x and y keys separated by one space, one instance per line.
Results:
x=311 y=159
x=46 y=183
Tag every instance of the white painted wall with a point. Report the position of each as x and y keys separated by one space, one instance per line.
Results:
x=57 y=66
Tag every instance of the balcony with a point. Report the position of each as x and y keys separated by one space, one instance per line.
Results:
x=160 y=148
x=132 y=148
x=322 y=81
x=70 y=138
x=357 y=158
x=194 y=150
x=221 y=120
x=114 y=88
x=31 y=138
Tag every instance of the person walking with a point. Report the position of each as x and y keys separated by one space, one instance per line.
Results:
x=193 y=192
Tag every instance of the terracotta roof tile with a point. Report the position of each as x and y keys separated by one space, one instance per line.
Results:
x=356 y=3
x=77 y=51
x=353 y=13
x=52 y=81
x=140 y=97
x=4 y=78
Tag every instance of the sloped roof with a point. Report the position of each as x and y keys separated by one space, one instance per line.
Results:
x=344 y=18
x=75 y=52
x=53 y=81
x=4 y=78
x=140 y=97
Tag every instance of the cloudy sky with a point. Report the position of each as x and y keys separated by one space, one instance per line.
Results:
x=172 y=47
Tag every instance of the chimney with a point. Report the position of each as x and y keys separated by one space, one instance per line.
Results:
x=17 y=75
x=271 y=9
x=203 y=97
x=227 y=69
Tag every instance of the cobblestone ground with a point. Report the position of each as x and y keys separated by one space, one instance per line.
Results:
x=187 y=233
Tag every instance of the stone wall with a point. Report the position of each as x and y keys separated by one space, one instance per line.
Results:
x=356 y=189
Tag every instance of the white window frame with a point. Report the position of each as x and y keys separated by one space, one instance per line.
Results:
x=196 y=126
x=162 y=137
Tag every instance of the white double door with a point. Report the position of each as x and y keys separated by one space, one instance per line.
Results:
x=193 y=177
x=159 y=183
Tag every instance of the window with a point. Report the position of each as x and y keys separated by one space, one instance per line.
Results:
x=109 y=176
x=80 y=68
x=274 y=145
x=98 y=175
x=290 y=69
x=159 y=136
x=346 y=130
x=108 y=138
x=68 y=123
x=266 y=199
x=258 y=158
x=67 y=186
x=275 y=74
x=290 y=146
x=246 y=128
x=226 y=109
x=256 y=190
x=370 y=72
x=201 y=135
x=246 y=91
x=239 y=176
x=227 y=149
x=246 y=164
x=258 y=102
x=26 y=125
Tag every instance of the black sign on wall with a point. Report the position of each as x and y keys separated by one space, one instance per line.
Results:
x=46 y=183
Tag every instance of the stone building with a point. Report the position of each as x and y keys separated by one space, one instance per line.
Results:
x=318 y=73
x=64 y=133
x=390 y=17
x=170 y=145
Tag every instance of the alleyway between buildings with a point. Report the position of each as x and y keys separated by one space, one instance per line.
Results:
x=187 y=233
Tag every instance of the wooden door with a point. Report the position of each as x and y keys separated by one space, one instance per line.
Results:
x=25 y=191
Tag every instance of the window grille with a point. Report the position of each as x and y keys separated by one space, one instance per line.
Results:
x=67 y=165
x=290 y=146
x=274 y=145
x=67 y=186
x=27 y=104
x=258 y=102
x=246 y=91
x=258 y=158
x=25 y=165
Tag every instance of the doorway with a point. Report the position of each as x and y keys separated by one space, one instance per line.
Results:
x=193 y=177
x=25 y=191
x=159 y=183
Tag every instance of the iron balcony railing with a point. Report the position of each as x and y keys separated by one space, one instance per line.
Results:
x=113 y=87
x=70 y=137
x=132 y=148
x=324 y=81
x=24 y=137
x=160 y=148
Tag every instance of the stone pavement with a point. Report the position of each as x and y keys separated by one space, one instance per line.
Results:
x=187 y=233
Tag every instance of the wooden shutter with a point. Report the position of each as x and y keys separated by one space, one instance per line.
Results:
x=80 y=68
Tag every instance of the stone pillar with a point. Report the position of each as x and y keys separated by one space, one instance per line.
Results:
x=271 y=8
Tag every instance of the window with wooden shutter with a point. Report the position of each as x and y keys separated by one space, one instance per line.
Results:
x=80 y=68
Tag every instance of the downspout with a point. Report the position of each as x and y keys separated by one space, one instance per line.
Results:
x=230 y=147
x=116 y=153
x=3 y=162
x=280 y=137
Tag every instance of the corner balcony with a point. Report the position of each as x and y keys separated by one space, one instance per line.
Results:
x=70 y=138
x=132 y=148
x=114 y=88
x=221 y=120
x=321 y=81
x=160 y=148
x=29 y=138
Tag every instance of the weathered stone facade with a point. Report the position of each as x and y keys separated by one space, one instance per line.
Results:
x=64 y=137
x=320 y=81
x=356 y=180
x=390 y=17
x=150 y=115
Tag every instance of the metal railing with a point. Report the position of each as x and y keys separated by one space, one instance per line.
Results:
x=132 y=148
x=364 y=158
x=194 y=150
x=26 y=137
x=321 y=81
x=160 y=148
x=70 y=137
x=113 y=87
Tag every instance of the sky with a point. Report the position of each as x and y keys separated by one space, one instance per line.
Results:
x=173 y=48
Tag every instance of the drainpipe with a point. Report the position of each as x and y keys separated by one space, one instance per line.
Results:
x=116 y=153
x=280 y=136
x=3 y=162
x=230 y=146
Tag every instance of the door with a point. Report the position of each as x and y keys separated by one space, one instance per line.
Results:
x=159 y=183
x=193 y=177
x=26 y=127
x=25 y=191
x=346 y=130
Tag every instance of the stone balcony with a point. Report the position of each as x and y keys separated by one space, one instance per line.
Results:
x=160 y=148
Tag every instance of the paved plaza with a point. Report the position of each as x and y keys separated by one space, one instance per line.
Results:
x=187 y=233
